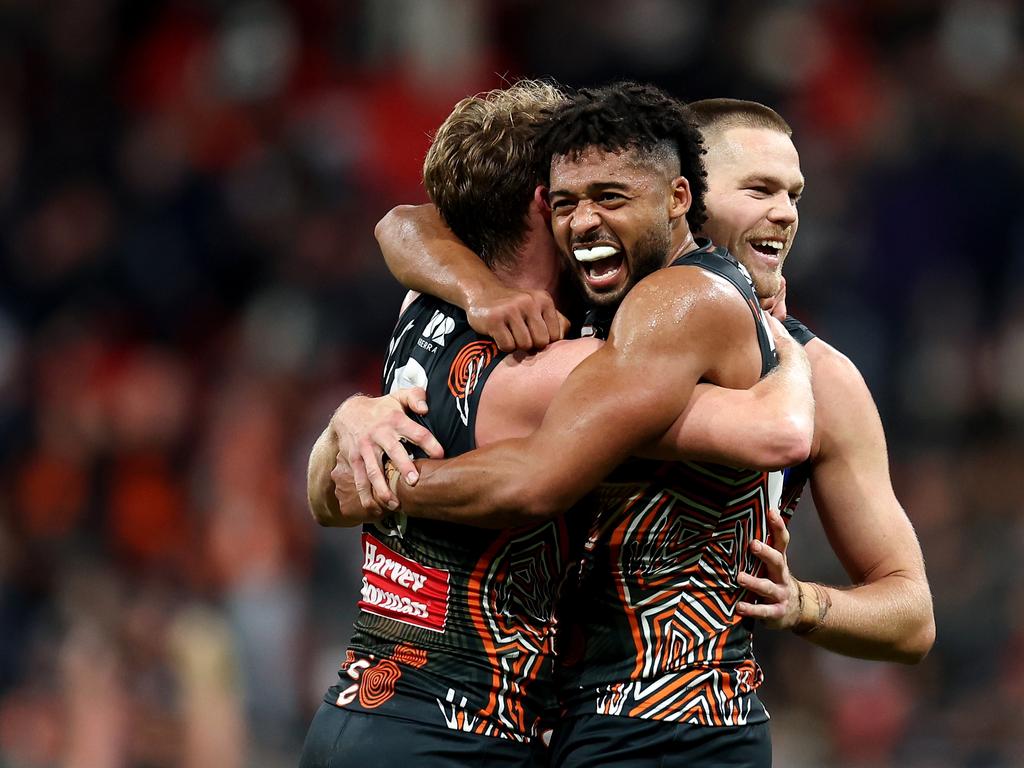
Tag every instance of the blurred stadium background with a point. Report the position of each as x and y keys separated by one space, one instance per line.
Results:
x=189 y=285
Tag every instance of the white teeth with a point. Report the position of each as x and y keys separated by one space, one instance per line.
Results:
x=594 y=254
x=774 y=244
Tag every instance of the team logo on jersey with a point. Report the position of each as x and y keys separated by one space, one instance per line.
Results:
x=464 y=375
x=436 y=331
x=401 y=589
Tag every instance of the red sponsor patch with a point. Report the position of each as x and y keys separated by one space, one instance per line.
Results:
x=398 y=588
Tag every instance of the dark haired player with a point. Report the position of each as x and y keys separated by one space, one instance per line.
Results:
x=682 y=678
x=452 y=652
x=754 y=182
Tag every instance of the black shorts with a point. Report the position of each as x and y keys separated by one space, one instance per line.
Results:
x=611 y=741
x=340 y=737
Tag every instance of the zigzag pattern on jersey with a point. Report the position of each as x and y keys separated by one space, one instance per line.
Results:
x=710 y=696
x=677 y=547
x=512 y=594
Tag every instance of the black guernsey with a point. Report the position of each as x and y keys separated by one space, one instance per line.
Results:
x=456 y=624
x=795 y=478
x=653 y=632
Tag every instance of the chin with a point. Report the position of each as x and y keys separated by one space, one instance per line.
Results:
x=766 y=286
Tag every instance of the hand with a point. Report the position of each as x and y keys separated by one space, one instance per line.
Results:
x=776 y=305
x=367 y=428
x=777 y=592
x=517 y=320
x=353 y=510
x=791 y=352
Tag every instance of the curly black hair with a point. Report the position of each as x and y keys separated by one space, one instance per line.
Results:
x=628 y=115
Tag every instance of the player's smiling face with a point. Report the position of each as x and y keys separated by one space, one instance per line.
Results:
x=754 y=183
x=612 y=216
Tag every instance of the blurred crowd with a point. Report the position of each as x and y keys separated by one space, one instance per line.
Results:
x=189 y=286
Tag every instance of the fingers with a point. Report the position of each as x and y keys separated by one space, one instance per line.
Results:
x=553 y=321
x=779 y=309
x=422 y=437
x=778 y=531
x=778 y=330
x=357 y=476
x=773 y=559
x=395 y=451
x=766 y=588
x=764 y=611
x=503 y=337
x=371 y=457
x=412 y=399
x=540 y=337
x=520 y=332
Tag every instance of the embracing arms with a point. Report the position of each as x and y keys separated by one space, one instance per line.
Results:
x=425 y=256
x=887 y=612
x=676 y=327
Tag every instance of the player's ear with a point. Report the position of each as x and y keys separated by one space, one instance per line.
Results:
x=682 y=199
x=540 y=202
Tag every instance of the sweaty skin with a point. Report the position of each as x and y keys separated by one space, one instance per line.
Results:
x=678 y=326
x=754 y=184
x=765 y=427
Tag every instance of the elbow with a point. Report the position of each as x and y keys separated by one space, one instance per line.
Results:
x=391 y=222
x=795 y=438
x=787 y=444
x=918 y=643
x=532 y=503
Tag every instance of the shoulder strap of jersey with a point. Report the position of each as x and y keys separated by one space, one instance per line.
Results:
x=434 y=347
x=721 y=262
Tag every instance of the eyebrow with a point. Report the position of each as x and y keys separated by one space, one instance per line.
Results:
x=773 y=180
x=600 y=186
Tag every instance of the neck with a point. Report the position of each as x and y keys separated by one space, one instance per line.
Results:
x=681 y=245
x=536 y=266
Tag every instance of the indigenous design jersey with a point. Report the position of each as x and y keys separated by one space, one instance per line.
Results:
x=456 y=624
x=794 y=479
x=651 y=627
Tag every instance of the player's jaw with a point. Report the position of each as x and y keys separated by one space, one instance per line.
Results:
x=763 y=252
x=601 y=263
x=608 y=270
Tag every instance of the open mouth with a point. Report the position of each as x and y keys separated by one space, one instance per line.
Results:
x=601 y=264
x=769 y=247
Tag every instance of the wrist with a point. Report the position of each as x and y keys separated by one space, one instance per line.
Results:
x=394 y=477
x=814 y=604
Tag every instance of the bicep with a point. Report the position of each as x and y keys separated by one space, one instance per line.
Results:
x=868 y=529
x=716 y=426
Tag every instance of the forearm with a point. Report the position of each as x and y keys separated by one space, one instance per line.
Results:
x=493 y=487
x=319 y=486
x=889 y=619
x=424 y=255
x=767 y=427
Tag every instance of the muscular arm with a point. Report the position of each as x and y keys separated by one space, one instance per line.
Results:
x=888 y=614
x=678 y=326
x=768 y=426
x=425 y=256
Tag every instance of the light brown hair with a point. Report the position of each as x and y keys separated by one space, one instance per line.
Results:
x=482 y=166
x=721 y=114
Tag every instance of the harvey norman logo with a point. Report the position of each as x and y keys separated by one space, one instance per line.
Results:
x=401 y=589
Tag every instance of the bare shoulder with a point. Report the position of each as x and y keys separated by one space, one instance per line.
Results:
x=678 y=295
x=519 y=390
x=836 y=377
x=845 y=415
